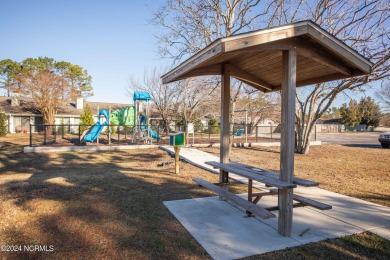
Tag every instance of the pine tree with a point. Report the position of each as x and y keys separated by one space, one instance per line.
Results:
x=86 y=118
x=3 y=124
x=350 y=113
x=62 y=128
x=370 y=112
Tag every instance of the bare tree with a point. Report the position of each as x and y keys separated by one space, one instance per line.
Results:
x=383 y=95
x=260 y=107
x=164 y=96
x=190 y=25
x=196 y=97
x=361 y=24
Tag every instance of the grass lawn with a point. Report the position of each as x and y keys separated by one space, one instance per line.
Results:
x=109 y=204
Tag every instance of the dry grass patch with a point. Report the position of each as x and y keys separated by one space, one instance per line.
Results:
x=360 y=246
x=97 y=205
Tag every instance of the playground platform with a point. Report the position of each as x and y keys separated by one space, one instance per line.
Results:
x=225 y=232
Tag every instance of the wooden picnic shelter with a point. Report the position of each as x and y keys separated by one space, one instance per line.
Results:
x=274 y=59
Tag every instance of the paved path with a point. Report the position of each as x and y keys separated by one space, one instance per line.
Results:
x=225 y=233
x=365 y=139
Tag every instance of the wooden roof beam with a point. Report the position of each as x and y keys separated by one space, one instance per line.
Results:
x=315 y=80
x=204 y=71
x=249 y=78
x=310 y=52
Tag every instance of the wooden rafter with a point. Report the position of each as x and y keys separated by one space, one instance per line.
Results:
x=249 y=78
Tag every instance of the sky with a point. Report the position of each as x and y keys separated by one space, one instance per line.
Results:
x=111 y=39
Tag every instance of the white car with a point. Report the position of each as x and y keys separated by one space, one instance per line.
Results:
x=384 y=139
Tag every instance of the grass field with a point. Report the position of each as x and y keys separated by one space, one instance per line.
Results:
x=109 y=204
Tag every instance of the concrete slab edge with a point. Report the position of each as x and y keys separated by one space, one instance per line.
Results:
x=29 y=149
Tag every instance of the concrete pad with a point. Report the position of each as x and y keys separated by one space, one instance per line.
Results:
x=54 y=149
x=226 y=233
x=361 y=213
x=310 y=225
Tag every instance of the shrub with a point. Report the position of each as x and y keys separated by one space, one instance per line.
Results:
x=198 y=126
x=213 y=126
x=62 y=128
x=3 y=124
x=86 y=119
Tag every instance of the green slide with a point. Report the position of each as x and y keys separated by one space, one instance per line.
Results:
x=124 y=117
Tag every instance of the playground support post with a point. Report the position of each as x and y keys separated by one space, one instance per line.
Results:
x=44 y=135
x=109 y=128
x=158 y=132
x=119 y=134
x=79 y=134
x=246 y=124
x=30 y=135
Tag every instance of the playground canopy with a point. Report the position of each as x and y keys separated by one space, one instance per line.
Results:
x=141 y=95
x=278 y=58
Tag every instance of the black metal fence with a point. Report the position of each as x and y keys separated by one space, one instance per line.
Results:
x=72 y=134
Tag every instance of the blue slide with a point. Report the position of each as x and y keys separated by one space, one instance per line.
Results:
x=153 y=134
x=96 y=128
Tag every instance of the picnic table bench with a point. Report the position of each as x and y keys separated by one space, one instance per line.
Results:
x=271 y=179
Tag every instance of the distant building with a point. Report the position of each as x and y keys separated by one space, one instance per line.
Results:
x=21 y=113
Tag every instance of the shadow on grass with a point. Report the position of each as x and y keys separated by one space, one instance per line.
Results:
x=92 y=209
x=261 y=149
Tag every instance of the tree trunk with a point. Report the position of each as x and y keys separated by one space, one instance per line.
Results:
x=303 y=136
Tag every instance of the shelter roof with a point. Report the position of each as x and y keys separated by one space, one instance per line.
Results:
x=256 y=57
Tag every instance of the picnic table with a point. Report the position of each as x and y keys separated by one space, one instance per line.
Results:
x=271 y=179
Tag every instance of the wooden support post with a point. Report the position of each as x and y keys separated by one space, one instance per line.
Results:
x=225 y=123
x=289 y=64
x=177 y=159
x=250 y=195
x=246 y=125
x=98 y=120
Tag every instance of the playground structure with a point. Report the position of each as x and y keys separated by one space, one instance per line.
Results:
x=135 y=117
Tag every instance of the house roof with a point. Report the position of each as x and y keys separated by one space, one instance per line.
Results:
x=330 y=121
x=256 y=57
x=26 y=107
